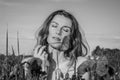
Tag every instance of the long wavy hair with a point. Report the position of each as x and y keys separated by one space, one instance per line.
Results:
x=75 y=45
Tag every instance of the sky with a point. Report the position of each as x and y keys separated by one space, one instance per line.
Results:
x=100 y=20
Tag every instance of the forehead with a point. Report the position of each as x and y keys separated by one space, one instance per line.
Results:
x=60 y=19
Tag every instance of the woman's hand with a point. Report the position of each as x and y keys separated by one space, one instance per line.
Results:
x=40 y=52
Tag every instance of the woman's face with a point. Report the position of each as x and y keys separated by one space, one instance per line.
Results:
x=59 y=28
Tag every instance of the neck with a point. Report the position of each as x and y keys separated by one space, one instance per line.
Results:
x=56 y=53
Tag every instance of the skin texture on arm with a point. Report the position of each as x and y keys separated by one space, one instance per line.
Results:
x=86 y=76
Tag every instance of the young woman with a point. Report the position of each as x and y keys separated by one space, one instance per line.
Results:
x=61 y=45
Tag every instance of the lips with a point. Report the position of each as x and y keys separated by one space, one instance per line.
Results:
x=57 y=39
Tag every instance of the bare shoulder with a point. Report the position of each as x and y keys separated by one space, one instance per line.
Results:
x=79 y=65
x=80 y=60
x=26 y=59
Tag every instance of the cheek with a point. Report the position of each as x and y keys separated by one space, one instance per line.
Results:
x=48 y=39
x=49 y=36
x=51 y=31
x=65 y=34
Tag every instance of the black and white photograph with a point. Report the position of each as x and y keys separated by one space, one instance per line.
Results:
x=59 y=39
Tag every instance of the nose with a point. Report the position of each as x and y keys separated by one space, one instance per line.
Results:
x=59 y=32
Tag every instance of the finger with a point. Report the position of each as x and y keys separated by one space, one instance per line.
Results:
x=41 y=51
x=43 y=54
x=37 y=49
x=46 y=56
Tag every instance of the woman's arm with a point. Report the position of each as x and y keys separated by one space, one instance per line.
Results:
x=40 y=53
x=86 y=76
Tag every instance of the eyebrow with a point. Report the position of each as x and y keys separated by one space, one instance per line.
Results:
x=67 y=27
x=54 y=22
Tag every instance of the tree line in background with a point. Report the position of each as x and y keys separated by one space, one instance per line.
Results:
x=106 y=65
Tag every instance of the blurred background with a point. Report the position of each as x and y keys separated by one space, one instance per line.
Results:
x=100 y=20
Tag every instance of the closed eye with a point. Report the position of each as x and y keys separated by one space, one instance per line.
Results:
x=55 y=26
x=66 y=29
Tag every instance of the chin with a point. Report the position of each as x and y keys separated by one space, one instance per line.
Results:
x=56 y=46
